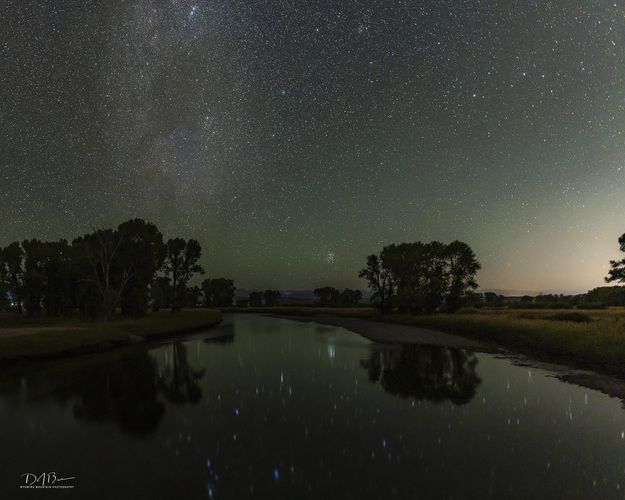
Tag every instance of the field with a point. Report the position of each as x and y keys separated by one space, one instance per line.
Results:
x=590 y=338
x=22 y=337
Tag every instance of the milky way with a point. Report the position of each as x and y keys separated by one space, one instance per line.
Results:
x=294 y=138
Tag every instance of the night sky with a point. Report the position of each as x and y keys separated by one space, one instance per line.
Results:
x=293 y=138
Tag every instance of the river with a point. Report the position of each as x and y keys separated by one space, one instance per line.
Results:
x=264 y=407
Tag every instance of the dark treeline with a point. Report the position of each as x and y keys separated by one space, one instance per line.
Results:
x=268 y=298
x=130 y=267
x=597 y=298
x=328 y=296
x=422 y=277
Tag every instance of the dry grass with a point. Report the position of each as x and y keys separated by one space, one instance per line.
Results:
x=599 y=342
x=46 y=337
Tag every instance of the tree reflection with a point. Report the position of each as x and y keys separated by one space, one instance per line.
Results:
x=422 y=372
x=126 y=388
x=124 y=391
x=179 y=380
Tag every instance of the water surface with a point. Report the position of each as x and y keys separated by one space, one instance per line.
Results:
x=275 y=408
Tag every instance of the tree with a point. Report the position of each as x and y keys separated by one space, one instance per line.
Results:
x=492 y=299
x=181 y=265
x=142 y=247
x=607 y=296
x=617 y=271
x=218 y=292
x=272 y=297
x=328 y=296
x=12 y=273
x=462 y=268
x=34 y=276
x=256 y=299
x=60 y=279
x=350 y=297
x=421 y=277
x=160 y=293
x=194 y=296
x=102 y=268
x=379 y=279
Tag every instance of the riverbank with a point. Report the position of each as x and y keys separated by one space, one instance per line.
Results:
x=593 y=339
x=24 y=338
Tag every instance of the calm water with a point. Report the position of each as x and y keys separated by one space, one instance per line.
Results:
x=283 y=409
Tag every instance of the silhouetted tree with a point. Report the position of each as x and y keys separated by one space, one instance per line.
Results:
x=103 y=269
x=142 y=247
x=218 y=292
x=181 y=265
x=256 y=299
x=617 y=271
x=60 y=288
x=194 y=296
x=34 y=277
x=4 y=294
x=350 y=297
x=419 y=274
x=462 y=268
x=12 y=273
x=492 y=299
x=272 y=297
x=160 y=293
x=607 y=296
x=421 y=277
x=327 y=295
x=379 y=279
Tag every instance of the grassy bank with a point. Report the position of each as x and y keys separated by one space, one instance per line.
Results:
x=590 y=338
x=23 y=338
x=594 y=339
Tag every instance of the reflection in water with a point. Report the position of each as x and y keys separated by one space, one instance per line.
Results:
x=224 y=334
x=124 y=391
x=285 y=410
x=179 y=380
x=423 y=372
x=127 y=388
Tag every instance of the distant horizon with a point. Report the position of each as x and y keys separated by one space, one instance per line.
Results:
x=216 y=269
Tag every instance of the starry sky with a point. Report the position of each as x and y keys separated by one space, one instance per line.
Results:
x=293 y=138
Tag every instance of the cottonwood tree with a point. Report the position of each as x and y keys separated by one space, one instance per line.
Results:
x=272 y=297
x=12 y=272
x=181 y=264
x=142 y=246
x=256 y=299
x=327 y=295
x=380 y=281
x=104 y=270
x=462 y=268
x=421 y=277
x=350 y=297
x=617 y=271
x=218 y=292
